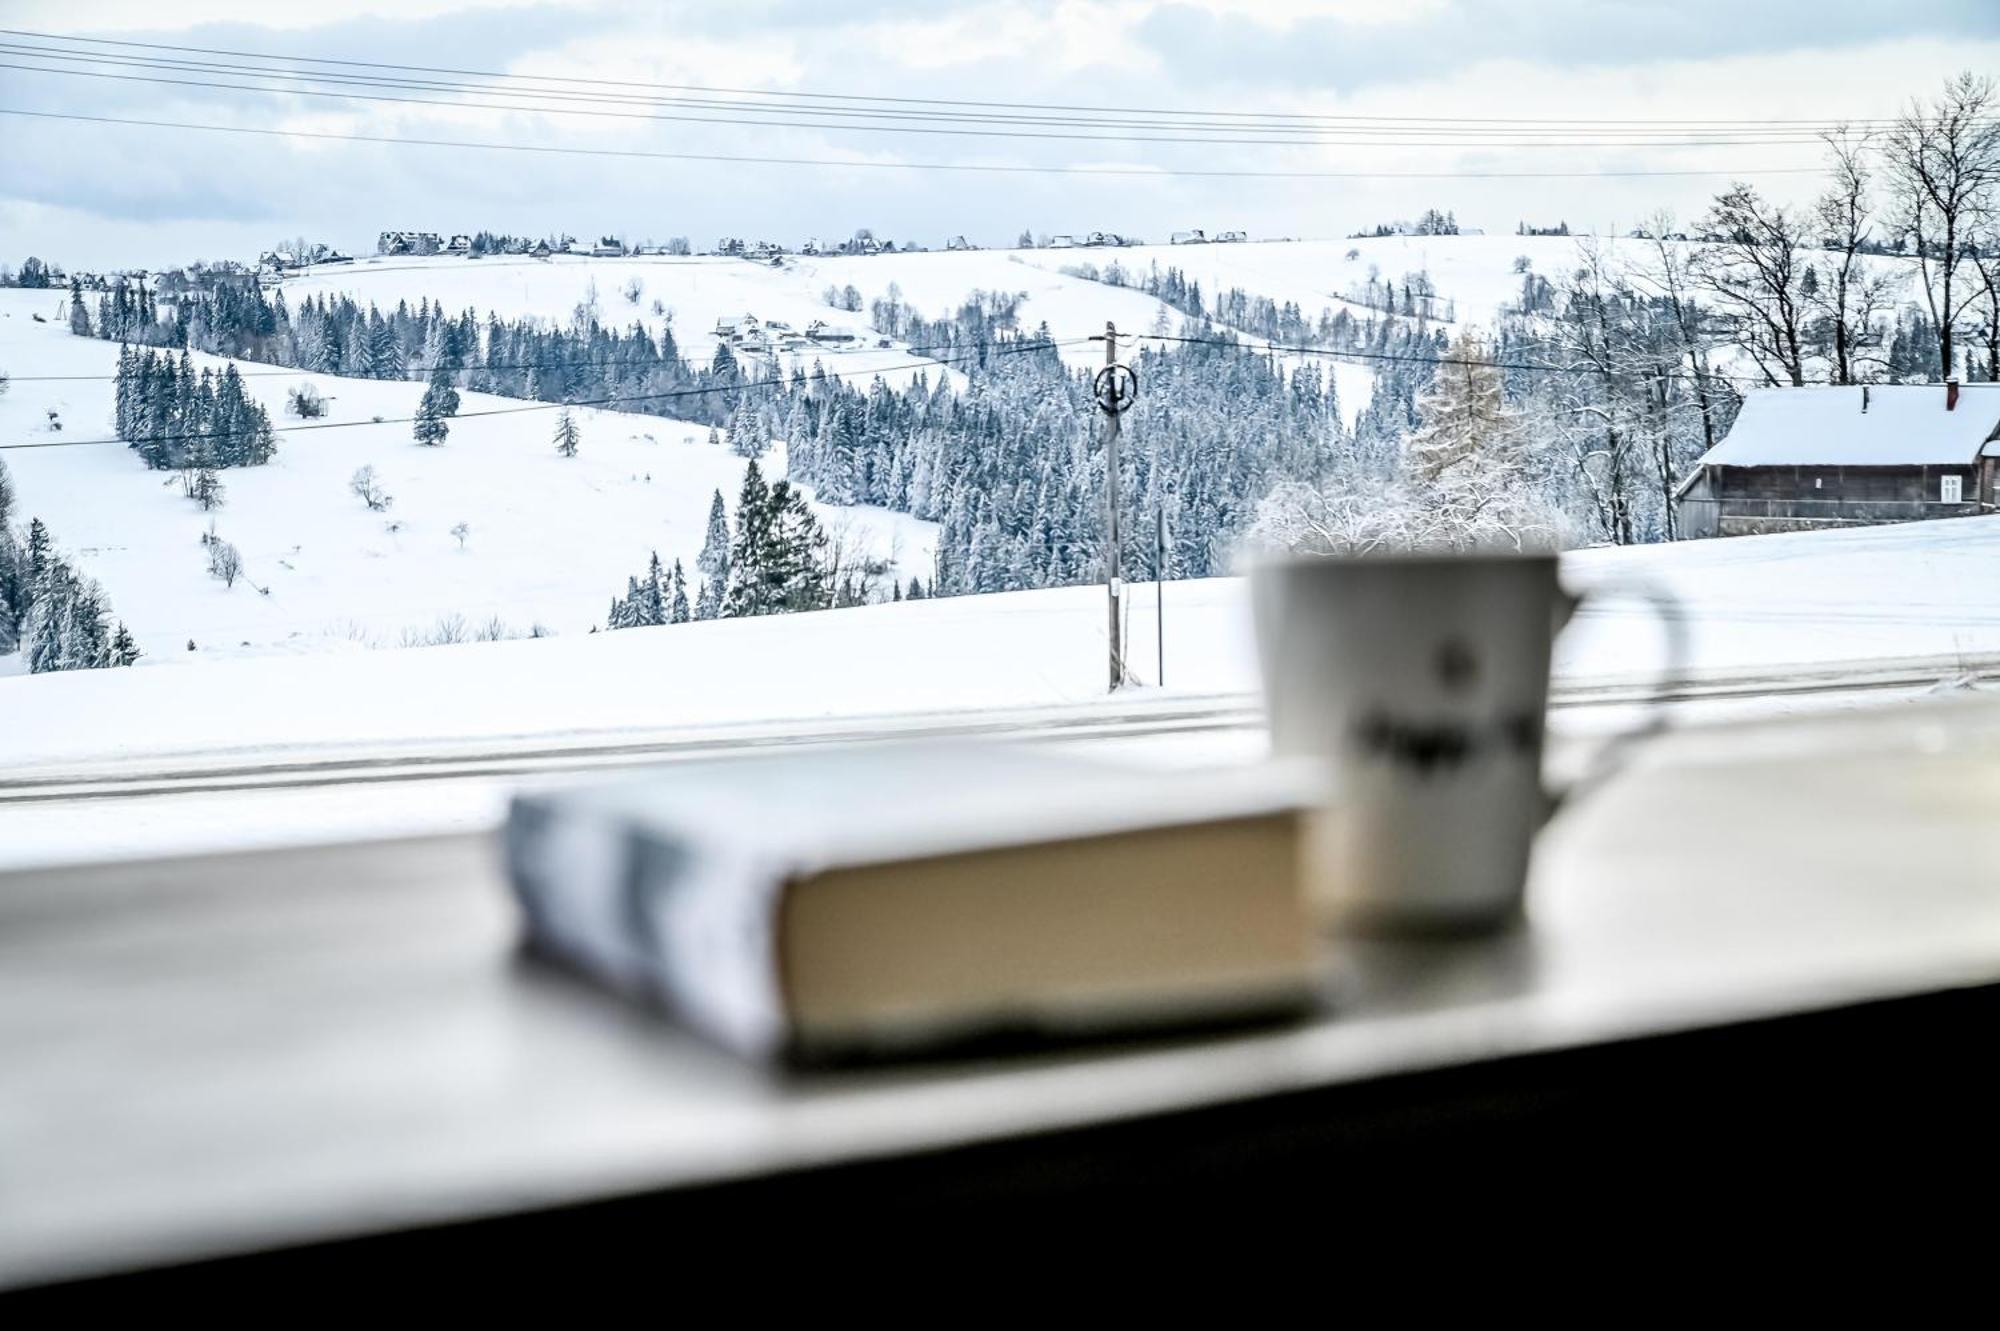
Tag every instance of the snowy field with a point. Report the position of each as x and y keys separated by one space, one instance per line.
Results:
x=1755 y=605
x=550 y=539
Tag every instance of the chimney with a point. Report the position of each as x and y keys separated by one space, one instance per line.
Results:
x=1864 y=399
x=1951 y=395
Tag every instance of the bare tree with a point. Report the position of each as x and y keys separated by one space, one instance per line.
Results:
x=460 y=532
x=1988 y=263
x=1673 y=282
x=1944 y=166
x=1757 y=279
x=368 y=488
x=1845 y=292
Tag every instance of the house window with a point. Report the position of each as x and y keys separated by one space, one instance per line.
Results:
x=1951 y=489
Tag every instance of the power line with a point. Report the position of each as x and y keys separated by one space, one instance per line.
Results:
x=1332 y=353
x=610 y=401
x=1263 y=131
x=956 y=132
x=492 y=365
x=863 y=164
x=878 y=99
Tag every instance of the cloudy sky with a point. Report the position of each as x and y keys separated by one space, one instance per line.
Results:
x=97 y=194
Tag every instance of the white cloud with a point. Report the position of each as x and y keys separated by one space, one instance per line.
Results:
x=1066 y=51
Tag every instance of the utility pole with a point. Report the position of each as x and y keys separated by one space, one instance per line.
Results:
x=1115 y=388
x=1160 y=591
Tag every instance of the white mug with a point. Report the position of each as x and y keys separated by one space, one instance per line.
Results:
x=1422 y=681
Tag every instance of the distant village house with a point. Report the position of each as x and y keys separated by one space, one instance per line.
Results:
x=409 y=242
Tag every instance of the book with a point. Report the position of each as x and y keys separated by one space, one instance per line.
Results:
x=894 y=899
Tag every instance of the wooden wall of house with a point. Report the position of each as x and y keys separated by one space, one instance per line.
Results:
x=1746 y=500
x=1697 y=513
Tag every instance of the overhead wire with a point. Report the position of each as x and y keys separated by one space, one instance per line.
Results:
x=876 y=164
x=612 y=400
x=777 y=95
x=1257 y=131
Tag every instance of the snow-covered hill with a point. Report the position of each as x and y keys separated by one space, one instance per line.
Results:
x=696 y=291
x=1474 y=276
x=550 y=540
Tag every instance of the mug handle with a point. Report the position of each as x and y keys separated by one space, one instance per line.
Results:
x=1613 y=753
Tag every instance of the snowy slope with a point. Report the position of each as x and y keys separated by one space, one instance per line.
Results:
x=694 y=291
x=1477 y=272
x=697 y=290
x=551 y=539
x=1754 y=604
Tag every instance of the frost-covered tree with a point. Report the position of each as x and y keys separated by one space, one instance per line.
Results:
x=677 y=610
x=440 y=402
x=67 y=625
x=776 y=560
x=124 y=648
x=14 y=582
x=708 y=603
x=567 y=435
x=167 y=413
x=206 y=488
x=713 y=562
x=647 y=602
x=225 y=561
x=79 y=313
x=746 y=432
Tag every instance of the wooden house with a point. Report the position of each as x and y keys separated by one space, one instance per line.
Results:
x=1801 y=458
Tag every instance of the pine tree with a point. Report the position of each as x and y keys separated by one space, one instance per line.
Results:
x=744 y=593
x=677 y=612
x=708 y=605
x=777 y=562
x=79 y=313
x=124 y=650
x=796 y=568
x=713 y=562
x=566 y=434
x=205 y=487
x=653 y=595
x=65 y=627
x=440 y=402
x=41 y=552
x=13 y=569
x=746 y=437
x=384 y=349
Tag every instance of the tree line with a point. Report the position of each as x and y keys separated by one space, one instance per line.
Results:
x=777 y=562
x=181 y=420
x=57 y=616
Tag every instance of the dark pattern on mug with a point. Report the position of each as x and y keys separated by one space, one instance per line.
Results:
x=1428 y=747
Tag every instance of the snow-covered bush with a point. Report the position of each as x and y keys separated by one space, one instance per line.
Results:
x=225 y=562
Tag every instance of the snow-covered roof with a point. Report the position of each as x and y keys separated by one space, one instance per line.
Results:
x=1905 y=425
